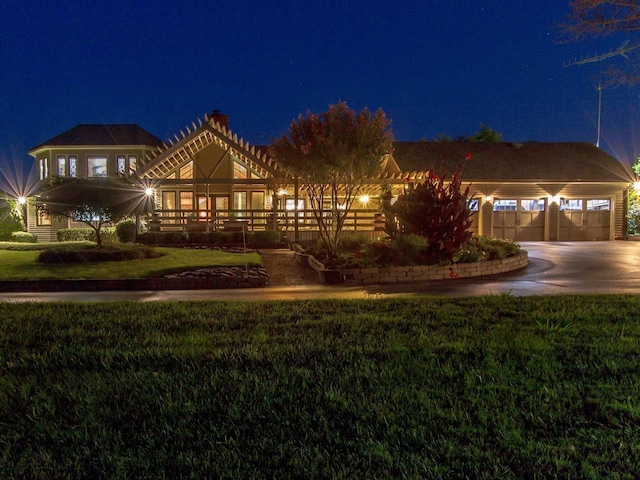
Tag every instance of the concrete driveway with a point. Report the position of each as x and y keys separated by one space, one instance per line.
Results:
x=554 y=268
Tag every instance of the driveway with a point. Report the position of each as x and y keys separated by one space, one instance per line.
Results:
x=554 y=268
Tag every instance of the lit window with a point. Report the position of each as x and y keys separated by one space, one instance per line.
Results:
x=472 y=203
x=186 y=171
x=43 y=219
x=62 y=166
x=186 y=200
x=239 y=171
x=257 y=200
x=598 y=204
x=571 y=204
x=73 y=166
x=133 y=161
x=505 y=205
x=44 y=168
x=240 y=200
x=121 y=164
x=532 y=205
x=97 y=166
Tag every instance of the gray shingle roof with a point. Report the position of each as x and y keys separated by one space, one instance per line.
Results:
x=117 y=134
x=529 y=161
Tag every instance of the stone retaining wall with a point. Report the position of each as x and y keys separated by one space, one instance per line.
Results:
x=390 y=275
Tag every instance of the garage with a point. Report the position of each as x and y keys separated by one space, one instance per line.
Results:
x=521 y=220
x=584 y=219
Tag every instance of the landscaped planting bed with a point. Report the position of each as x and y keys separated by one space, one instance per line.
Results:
x=488 y=387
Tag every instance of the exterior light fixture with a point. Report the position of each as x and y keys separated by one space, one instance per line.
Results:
x=636 y=187
x=364 y=199
x=22 y=200
x=488 y=198
x=282 y=191
x=148 y=191
x=555 y=199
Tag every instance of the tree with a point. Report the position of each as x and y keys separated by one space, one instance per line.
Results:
x=11 y=219
x=484 y=135
x=600 y=18
x=333 y=154
x=93 y=201
x=434 y=209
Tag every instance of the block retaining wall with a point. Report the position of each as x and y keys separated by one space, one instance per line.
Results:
x=420 y=273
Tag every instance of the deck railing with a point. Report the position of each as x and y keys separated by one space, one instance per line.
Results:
x=295 y=225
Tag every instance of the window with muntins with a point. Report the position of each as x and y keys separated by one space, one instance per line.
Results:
x=44 y=168
x=121 y=164
x=598 y=204
x=73 y=166
x=43 y=219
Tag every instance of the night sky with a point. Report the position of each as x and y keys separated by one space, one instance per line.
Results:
x=435 y=67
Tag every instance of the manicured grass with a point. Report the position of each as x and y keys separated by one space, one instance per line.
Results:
x=22 y=264
x=488 y=387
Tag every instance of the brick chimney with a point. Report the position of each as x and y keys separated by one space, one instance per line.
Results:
x=221 y=118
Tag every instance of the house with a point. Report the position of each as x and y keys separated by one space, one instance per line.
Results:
x=208 y=178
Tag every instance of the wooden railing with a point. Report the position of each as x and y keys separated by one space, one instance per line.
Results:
x=298 y=225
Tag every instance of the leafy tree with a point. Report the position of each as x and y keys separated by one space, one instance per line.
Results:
x=484 y=135
x=600 y=18
x=93 y=201
x=10 y=218
x=333 y=154
x=434 y=209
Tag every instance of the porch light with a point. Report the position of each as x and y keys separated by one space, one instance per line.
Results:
x=488 y=198
x=364 y=199
x=636 y=187
x=148 y=191
x=22 y=200
x=282 y=191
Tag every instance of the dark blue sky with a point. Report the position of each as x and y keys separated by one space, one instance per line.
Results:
x=433 y=66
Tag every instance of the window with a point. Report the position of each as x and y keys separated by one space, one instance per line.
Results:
x=222 y=206
x=257 y=200
x=133 y=161
x=240 y=200
x=73 y=166
x=186 y=200
x=44 y=168
x=186 y=171
x=598 y=204
x=472 y=203
x=239 y=171
x=204 y=206
x=570 y=204
x=43 y=219
x=505 y=205
x=121 y=164
x=168 y=200
x=62 y=166
x=97 y=166
x=532 y=205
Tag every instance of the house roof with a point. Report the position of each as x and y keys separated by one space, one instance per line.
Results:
x=91 y=134
x=503 y=161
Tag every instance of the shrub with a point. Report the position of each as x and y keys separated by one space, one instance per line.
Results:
x=126 y=231
x=433 y=209
x=85 y=234
x=353 y=241
x=480 y=247
x=23 y=237
x=68 y=255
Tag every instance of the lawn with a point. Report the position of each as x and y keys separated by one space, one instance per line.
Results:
x=487 y=387
x=22 y=264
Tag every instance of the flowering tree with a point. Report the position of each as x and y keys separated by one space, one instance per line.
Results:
x=333 y=154
x=599 y=18
x=93 y=201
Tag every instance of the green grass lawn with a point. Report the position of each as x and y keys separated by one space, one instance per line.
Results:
x=488 y=387
x=22 y=264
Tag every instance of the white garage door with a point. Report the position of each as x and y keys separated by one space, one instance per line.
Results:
x=521 y=220
x=585 y=219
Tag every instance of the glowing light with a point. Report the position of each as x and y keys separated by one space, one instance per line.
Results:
x=364 y=199
x=282 y=191
x=488 y=198
x=22 y=200
x=555 y=199
x=636 y=187
x=148 y=191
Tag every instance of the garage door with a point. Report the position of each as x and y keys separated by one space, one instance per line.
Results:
x=585 y=219
x=521 y=220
